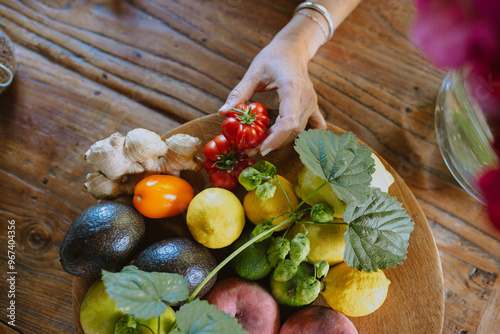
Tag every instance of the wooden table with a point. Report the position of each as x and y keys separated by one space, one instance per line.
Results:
x=88 y=68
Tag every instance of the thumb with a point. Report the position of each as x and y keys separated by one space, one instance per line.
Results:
x=241 y=93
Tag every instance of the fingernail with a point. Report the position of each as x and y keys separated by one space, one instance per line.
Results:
x=266 y=151
x=224 y=107
x=252 y=152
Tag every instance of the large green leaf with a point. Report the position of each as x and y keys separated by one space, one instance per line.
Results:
x=377 y=233
x=144 y=294
x=199 y=317
x=339 y=159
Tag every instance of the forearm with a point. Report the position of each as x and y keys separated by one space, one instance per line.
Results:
x=308 y=29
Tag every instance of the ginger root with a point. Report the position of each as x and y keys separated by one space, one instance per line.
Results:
x=121 y=162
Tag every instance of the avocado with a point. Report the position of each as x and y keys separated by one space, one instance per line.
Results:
x=181 y=256
x=104 y=236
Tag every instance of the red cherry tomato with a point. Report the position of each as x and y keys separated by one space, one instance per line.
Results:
x=160 y=196
x=223 y=179
x=245 y=126
x=216 y=147
x=224 y=163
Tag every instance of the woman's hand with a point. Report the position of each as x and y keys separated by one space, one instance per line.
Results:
x=282 y=65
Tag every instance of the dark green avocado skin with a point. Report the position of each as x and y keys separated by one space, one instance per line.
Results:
x=181 y=256
x=104 y=236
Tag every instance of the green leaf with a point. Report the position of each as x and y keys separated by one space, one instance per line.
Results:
x=285 y=270
x=322 y=213
x=322 y=268
x=308 y=289
x=263 y=226
x=250 y=178
x=127 y=325
x=265 y=191
x=340 y=160
x=299 y=248
x=265 y=168
x=278 y=250
x=199 y=317
x=144 y=294
x=377 y=233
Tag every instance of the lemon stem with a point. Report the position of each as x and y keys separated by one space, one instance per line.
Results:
x=236 y=252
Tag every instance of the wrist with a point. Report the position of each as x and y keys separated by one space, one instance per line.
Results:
x=305 y=33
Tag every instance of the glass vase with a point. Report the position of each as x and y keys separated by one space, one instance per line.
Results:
x=463 y=134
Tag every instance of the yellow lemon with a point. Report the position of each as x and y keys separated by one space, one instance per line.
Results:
x=327 y=241
x=257 y=210
x=354 y=293
x=308 y=182
x=215 y=217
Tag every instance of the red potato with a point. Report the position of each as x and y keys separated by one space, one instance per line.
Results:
x=253 y=306
x=318 y=320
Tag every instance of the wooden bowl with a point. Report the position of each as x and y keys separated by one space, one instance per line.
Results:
x=415 y=301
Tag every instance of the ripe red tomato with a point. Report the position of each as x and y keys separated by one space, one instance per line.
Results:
x=245 y=126
x=160 y=196
x=223 y=179
x=216 y=147
x=224 y=163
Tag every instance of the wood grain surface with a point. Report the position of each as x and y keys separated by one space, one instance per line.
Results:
x=406 y=309
x=88 y=68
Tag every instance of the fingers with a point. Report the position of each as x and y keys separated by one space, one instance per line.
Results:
x=291 y=122
x=317 y=121
x=241 y=93
x=278 y=135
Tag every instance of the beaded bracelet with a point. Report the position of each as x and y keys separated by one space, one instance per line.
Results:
x=322 y=10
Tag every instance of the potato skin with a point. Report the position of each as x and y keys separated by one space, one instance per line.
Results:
x=318 y=320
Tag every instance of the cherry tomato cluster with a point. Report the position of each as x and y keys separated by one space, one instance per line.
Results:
x=243 y=129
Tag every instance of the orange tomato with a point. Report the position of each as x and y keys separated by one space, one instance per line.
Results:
x=160 y=196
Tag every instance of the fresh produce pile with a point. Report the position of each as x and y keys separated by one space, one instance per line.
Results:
x=331 y=232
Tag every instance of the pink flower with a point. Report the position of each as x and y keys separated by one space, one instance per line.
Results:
x=464 y=33
x=489 y=184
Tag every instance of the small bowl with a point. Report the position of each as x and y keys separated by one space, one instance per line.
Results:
x=7 y=61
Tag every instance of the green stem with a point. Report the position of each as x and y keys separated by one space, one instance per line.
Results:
x=233 y=254
x=159 y=323
x=286 y=195
x=254 y=239
x=174 y=327
x=287 y=229
x=138 y=325
x=245 y=117
x=329 y=223
x=315 y=269
x=311 y=195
